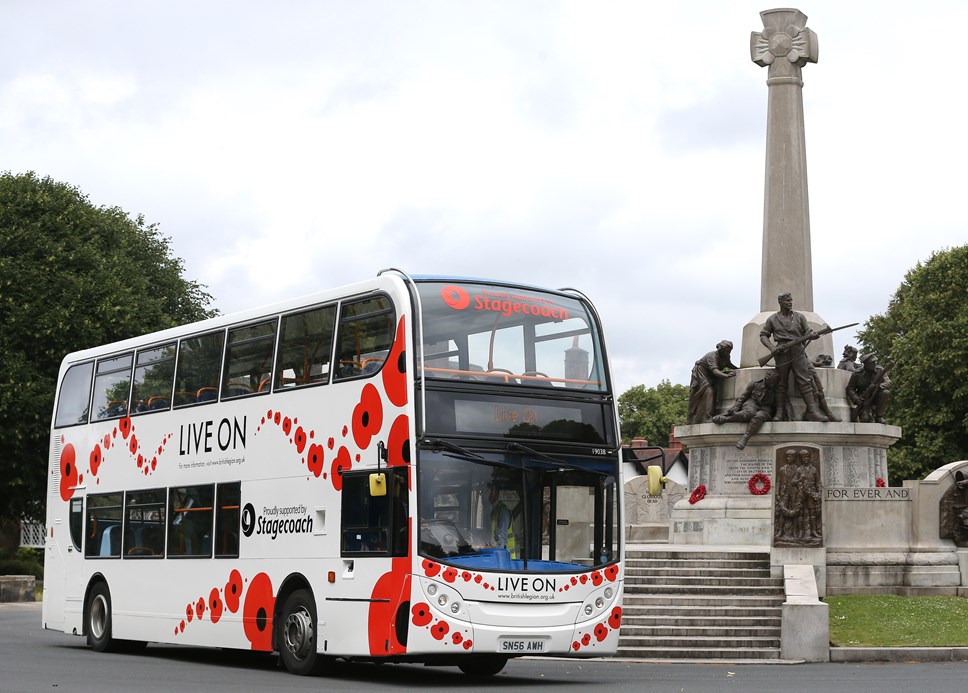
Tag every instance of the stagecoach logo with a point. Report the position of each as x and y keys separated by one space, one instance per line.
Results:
x=290 y=519
x=248 y=519
x=503 y=302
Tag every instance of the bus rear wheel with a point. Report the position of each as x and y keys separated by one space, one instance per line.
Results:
x=98 y=618
x=297 y=634
x=483 y=665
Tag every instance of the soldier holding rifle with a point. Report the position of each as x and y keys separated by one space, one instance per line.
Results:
x=790 y=333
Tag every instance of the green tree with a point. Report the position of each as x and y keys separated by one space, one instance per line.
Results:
x=72 y=275
x=652 y=412
x=925 y=333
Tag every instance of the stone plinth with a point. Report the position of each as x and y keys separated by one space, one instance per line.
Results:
x=852 y=455
x=649 y=518
x=17 y=588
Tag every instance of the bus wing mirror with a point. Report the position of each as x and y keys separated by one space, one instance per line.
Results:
x=378 y=484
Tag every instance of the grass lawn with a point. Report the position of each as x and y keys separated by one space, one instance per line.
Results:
x=890 y=621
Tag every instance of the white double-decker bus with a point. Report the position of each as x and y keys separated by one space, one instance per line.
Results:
x=404 y=469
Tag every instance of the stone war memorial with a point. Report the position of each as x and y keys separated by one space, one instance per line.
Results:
x=788 y=451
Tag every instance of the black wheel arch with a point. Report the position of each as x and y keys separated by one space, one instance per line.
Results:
x=292 y=583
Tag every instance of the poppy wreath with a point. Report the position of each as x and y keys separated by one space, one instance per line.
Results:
x=698 y=494
x=760 y=484
x=880 y=483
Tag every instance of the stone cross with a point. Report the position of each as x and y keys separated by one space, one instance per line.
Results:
x=785 y=45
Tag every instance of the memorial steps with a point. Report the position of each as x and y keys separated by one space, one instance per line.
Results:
x=700 y=604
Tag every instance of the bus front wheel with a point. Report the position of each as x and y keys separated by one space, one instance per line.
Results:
x=483 y=666
x=98 y=618
x=297 y=636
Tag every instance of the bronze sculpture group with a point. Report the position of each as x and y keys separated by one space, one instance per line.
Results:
x=785 y=335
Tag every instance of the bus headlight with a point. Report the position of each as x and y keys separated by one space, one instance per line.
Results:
x=599 y=603
x=431 y=589
x=442 y=600
x=455 y=607
x=608 y=593
x=588 y=609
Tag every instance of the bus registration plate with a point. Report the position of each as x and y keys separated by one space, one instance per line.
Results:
x=523 y=645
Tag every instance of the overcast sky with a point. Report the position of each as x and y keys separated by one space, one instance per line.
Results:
x=616 y=147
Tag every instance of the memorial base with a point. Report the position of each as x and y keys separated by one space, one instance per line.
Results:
x=852 y=455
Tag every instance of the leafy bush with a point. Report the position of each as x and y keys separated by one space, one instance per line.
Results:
x=15 y=566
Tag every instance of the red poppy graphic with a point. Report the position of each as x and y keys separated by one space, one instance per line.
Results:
x=233 y=591
x=367 y=416
x=450 y=575
x=398 y=443
x=430 y=568
x=457 y=638
x=68 y=469
x=601 y=632
x=395 y=370
x=286 y=425
x=611 y=573
x=440 y=629
x=615 y=619
x=190 y=612
x=124 y=425
x=585 y=639
x=214 y=605
x=340 y=464
x=276 y=418
x=200 y=607
x=576 y=646
x=315 y=459
x=583 y=579
x=133 y=444
x=299 y=440
x=257 y=613
x=466 y=576
x=468 y=644
x=94 y=463
x=596 y=578
x=421 y=614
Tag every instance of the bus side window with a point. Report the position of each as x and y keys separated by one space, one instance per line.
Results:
x=154 y=371
x=365 y=518
x=364 y=337
x=190 y=521
x=112 y=386
x=102 y=536
x=375 y=525
x=227 y=519
x=76 y=522
x=305 y=347
x=248 y=359
x=199 y=364
x=144 y=523
x=75 y=396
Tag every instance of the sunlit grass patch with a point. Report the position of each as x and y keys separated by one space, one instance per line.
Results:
x=891 y=621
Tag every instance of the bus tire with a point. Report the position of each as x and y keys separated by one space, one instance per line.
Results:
x=97 y=618
x=297 y=634
x=484 y=665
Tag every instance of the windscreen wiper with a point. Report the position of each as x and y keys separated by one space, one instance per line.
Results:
x=436 y=444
